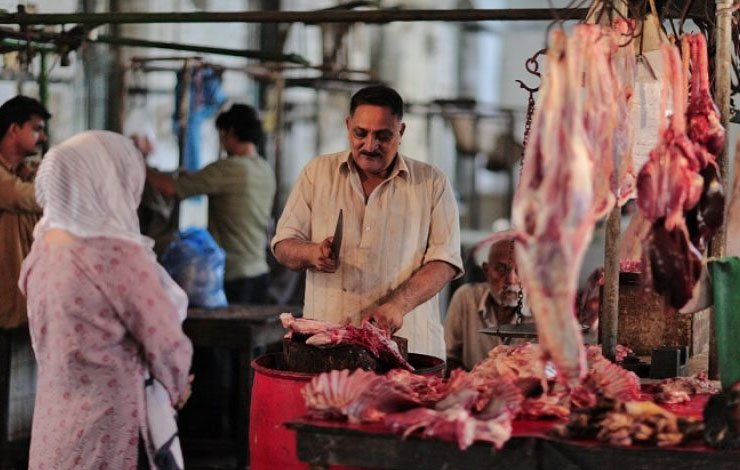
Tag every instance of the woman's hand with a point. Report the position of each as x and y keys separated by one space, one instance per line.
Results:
x=186 y=394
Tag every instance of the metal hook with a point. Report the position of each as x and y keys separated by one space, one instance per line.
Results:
x=532 y=67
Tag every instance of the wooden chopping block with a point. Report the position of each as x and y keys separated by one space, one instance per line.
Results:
x=302 y=357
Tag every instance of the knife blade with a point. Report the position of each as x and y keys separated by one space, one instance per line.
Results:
x=336 y=244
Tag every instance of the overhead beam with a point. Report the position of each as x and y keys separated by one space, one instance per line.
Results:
x=246 y=53
x=309 y=17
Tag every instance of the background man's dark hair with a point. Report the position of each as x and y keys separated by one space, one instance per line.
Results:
x=19 y=110
x=243 y=120
x=378 y=95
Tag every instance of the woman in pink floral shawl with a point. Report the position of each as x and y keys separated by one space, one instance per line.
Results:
x=101 y=311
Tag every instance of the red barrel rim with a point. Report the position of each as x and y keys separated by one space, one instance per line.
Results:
x=266 y=363
x=262 y=365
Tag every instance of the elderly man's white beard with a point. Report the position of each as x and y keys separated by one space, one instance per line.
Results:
x=508 y=297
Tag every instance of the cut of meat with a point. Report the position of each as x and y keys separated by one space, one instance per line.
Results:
x=368 y=336
x=680 y=389
x=673 y=263
x=304 y=326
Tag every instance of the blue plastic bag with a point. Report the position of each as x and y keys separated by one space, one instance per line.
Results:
x=196 y=263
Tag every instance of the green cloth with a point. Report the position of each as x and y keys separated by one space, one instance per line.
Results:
x=725 y=275
x=240 y=193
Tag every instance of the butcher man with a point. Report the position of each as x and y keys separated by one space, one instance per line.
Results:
x=400 y=237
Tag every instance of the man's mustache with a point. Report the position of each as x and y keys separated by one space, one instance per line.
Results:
x=370 y=154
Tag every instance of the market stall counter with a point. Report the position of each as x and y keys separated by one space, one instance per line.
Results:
x=324 y=443
x=244 y=329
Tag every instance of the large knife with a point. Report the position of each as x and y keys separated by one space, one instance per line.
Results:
x=336 y=244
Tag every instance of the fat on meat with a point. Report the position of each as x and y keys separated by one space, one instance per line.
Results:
x=553 y=211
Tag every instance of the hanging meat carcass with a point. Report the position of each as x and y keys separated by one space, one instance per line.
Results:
x=668 y=186
x=553 y=210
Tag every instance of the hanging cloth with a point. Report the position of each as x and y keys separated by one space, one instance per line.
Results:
x=201 y=87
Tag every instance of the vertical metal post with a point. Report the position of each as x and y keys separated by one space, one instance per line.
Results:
x=510 y=157
x=609 y=315
x=43 y=80
x=609 y=321
x=279 y=89
x=723 y=58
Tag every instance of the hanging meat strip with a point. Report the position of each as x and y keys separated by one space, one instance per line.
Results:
x=624 y=66
x=600 y=93
x=704 y=125
x=706 y=131
x=553 y=211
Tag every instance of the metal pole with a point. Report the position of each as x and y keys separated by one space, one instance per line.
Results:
x=22 y=44
x=723 y=59
x=249 y=54
x=609 y=314
x=43 y=81
x=278 y=142
x=308 y=17
x=609 y=322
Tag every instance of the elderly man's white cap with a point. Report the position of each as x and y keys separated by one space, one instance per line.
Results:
x=138 y=122
x=481 y=249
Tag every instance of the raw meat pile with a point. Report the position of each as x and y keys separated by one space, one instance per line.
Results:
x=326 y=335
x=475 y=406
x=679 y=191
x=630 y=422
x=577 y=165
x=680 y=389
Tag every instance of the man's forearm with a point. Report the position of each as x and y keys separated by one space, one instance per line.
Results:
x=294 y=254
x=421 y=286
x=162 y=183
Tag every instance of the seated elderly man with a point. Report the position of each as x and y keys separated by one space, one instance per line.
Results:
x=481 y=305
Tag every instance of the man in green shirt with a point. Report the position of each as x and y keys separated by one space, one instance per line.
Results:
x=240 y=191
